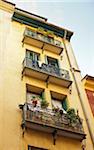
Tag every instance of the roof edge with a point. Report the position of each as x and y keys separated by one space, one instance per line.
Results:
x=24 y=12
x=30 y=19
x=9 y=2
x=7 y=6
x=88 y=77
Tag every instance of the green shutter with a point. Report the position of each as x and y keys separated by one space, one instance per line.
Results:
x=29 y=55
x=43 y=96
x=64 y=104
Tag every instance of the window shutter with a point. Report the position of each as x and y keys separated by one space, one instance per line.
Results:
x=46 y=61
x=43 y=96
x=64 y=104
x=27 y=54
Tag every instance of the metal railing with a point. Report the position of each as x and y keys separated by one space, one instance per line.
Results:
x=46 y=68
x=50 y=118
x=42 y=37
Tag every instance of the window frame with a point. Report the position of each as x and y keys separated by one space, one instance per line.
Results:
x=54 y=59
x=36 y=148
x=35 y=55
x=31 y=89
x=63 y=101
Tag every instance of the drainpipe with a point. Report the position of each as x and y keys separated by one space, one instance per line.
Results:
x=78 y=91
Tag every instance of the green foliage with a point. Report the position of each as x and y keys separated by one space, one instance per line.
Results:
x=44 y=104
x=71 y=111
x=47 y=33
x=72 y=116
x=33 y=96
x=41 y=30
x=51 y=33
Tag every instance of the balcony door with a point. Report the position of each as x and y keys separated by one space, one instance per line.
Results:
x=32 y=55
x=59 y=100
x=34 y=95
x=34 y=99
x=52 y=61
x=53 y=66
x=61 y=104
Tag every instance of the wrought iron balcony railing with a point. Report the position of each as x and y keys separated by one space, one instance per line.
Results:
x=42 y=37
x=42 y=41
x=49 y=121
x=46 y=68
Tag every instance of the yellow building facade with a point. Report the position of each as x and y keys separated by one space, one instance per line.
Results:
x=42 y=99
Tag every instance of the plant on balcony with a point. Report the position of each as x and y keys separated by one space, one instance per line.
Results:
x=46 y=33
x=34 y=100
x=55 y=109
x=44 y=104
x=57 y=112
x=50 y=34
x=71 y=115
x=41 y=30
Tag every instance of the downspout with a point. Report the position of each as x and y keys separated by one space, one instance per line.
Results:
x=78 y=91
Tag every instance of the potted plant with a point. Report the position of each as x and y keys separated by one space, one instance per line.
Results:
x=34 y=101
x=55 y=109
x=41 y=30
x=44 y=104
x=71 y=115
x=50 y=34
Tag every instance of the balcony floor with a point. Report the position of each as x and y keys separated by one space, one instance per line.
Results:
x=51 y=129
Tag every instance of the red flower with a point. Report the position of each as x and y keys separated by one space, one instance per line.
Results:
x=34 y=102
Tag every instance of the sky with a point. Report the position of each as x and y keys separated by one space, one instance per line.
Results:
x=76 y=15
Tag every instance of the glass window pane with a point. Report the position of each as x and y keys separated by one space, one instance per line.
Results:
x=32 y=55
x=52 y=61
x=57 y=104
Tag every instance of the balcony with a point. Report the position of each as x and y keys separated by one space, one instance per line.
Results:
x=46 y=120
x=42 y=41
x=47 y=73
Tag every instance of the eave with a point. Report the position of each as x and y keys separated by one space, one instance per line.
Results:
x=37 y=21
x=88 y=77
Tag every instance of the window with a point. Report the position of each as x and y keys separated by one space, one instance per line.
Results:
x=61 y=104
x=35 y=148
x=59 y=100
x=52 y=61
x=56 y=103
x=64 y=104
x=32 y=55
x=34 y=94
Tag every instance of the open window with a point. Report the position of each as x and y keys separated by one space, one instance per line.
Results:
x=34 y=94
x=32 y=55
x=53 y=62
x=59 y=101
